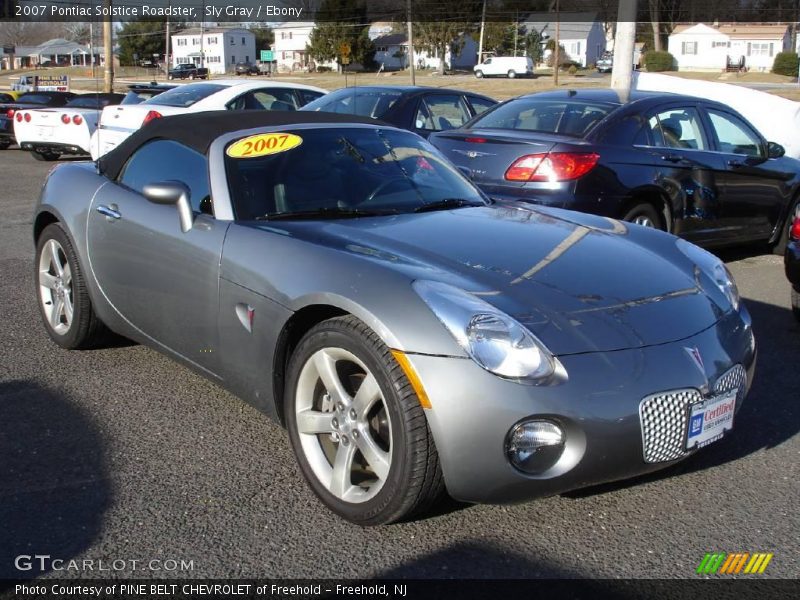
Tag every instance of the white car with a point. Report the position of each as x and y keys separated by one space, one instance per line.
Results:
x=118 y=122
x=50 y=132
x=505 y=66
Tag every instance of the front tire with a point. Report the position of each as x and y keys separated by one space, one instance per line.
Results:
x=62 y=295
x=356 y=426
x=512 y=74
x=479 y=74
x=646 y=215
x=170 y=76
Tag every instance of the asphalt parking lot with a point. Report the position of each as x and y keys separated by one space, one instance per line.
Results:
x=122 y=455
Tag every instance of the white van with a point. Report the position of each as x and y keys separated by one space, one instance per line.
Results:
x=505 y=66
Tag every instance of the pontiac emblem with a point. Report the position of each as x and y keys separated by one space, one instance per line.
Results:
x=697 y=358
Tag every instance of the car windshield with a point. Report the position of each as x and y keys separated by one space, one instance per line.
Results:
x=33 y=99
x=344 y=172
x=185 y=95
x=89 y=102
x=356 y=101
x=551 y=115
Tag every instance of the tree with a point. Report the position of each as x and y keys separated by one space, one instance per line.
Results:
x=341 y=24
x=441 y=26
x=140 y=39
x=77 y=32
x=655 y=22
x=265 y=37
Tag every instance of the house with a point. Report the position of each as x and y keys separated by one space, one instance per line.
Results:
x=701 y=47
x=291 y=40
x=53 y=52
x=216 y=48
x=391 y=51
x=581 y=34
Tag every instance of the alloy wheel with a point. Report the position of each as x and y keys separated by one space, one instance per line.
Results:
x=55 y=287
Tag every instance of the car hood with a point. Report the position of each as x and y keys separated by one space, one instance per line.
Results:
x=579 y=283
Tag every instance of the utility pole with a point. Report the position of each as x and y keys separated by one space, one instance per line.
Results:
x=108 y=46
x=411 y=44
x=91 y=46
x=166 y=46
x=483 y=26
x=556 y=46
x=622 y=71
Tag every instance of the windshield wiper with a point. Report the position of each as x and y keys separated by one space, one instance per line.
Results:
x=326 y=213
x=446 y=204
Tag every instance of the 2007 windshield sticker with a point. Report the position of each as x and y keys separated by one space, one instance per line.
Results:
x=263 y=144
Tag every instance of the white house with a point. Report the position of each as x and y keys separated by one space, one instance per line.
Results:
x=291 y=40
x=701 y=47
x=581 y=34
x=391 y=51
x=217 y=48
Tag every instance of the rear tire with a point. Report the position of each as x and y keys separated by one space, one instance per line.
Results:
x=191 y=76
x=796 y=304
x=369 y=456
x=45 y=156
x=479 y=74
x=5 y=145
x=61 y=293
x=512 y=73
x=646 y=215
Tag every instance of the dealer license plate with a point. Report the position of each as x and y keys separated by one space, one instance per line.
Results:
x=44 y=132
x=710 y=420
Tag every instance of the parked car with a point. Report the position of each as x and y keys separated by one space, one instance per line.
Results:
x=411 y=335
x=49 y=133
x=118 y=122
x=505 y=66
x=26 y=100
x=605 y=64
x=139 y=92
x=792 y=263
x=682 y=164
x=187 y=71
x=422 y=110
x=246 y=68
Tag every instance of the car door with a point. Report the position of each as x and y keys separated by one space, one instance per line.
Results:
x=685 y=168
x=439 y=112
x=754 y=186
x=162 y=281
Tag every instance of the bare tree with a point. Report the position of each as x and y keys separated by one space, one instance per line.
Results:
x=655 y=21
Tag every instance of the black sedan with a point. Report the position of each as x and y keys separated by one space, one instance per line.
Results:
x=690 y=166
x=27 y=101
x=422 y=110
x=792 y=263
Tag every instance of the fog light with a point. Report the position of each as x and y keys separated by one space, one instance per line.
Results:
x=534 y=446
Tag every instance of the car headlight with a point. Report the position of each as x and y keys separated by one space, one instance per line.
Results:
x=492 y=339
x=714 y=268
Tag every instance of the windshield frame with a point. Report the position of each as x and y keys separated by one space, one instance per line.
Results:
x=218 y=176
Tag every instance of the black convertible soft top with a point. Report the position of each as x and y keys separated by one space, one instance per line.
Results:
x=199 y=130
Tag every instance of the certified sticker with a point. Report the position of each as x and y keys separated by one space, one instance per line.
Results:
x=263 y=144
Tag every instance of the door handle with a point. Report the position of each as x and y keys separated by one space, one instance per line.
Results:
x=673 y=158
x=735 y=163
x=111 y=213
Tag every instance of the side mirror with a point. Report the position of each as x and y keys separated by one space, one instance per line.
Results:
x=172 y=192
x=775 y=150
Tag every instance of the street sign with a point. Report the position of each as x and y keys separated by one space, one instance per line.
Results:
x=267 y=56
x=345 y=60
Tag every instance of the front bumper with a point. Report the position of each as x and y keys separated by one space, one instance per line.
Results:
x=597 y=407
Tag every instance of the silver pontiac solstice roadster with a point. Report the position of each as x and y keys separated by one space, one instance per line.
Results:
x=414 y=336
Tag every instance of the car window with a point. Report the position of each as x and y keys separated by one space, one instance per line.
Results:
x=34 y=99
x=733 y=135
x=480 y=104
x=566 y=117
x=185 y=95
x=265 y=99
x=354 y=101
x=441 y=112
x=345 y=169
x=679 y=128
x=165 y=160
x=139 y=96
x=309 y=95
x=92 y=101
x=6 y=98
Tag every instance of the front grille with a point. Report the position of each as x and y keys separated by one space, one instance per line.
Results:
x=664 y=416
